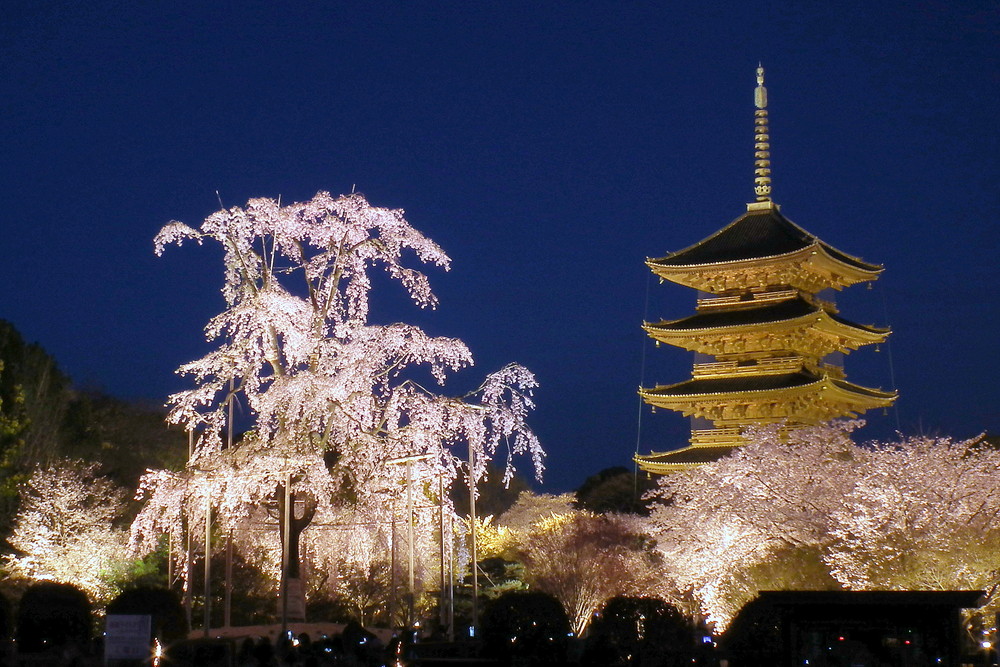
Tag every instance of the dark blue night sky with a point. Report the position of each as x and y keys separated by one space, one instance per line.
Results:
x=549 y=147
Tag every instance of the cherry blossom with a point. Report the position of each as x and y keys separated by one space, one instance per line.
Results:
x=335 y=400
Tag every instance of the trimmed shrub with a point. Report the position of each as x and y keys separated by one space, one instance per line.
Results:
x=526 y=626
x=53 y=615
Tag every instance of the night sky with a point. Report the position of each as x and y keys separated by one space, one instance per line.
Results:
x=549 y=147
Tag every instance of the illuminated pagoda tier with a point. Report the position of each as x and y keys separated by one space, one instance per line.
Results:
x=768 y=340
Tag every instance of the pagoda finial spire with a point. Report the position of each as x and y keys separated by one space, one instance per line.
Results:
x=762 y=147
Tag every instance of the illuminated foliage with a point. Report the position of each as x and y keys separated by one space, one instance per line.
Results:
x=583 y=559
x=530 y=508
x=812 y=510
x=923 y=515
x=65 y=530
x=334 y=398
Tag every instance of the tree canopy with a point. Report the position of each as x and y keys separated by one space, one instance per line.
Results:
x=340 y=408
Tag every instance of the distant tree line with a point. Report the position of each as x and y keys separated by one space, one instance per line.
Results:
x=45 y=418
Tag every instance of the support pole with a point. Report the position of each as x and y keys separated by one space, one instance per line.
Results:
x=409 y=544
x=188 y=572
x=285 y=547
x=475 y=550
x=451 y=579
x=188 y=554
x=228 y=609
x=442 y=612
x=208 y=562
x=392 y=567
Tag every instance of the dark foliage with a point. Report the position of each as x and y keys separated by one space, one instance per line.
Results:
x=53 y=615
x=125 y=438
x=616 y=489
x=526 y=627
x=645 y=632
x=168 y=620
x=252 y=597
x=6 y=621
x=34 y=397
x=494 y=497
x=42 y=417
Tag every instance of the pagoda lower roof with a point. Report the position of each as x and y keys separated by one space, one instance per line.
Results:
x=754 y=383
x=783 y=311
x=686 y=457
x=757 y=234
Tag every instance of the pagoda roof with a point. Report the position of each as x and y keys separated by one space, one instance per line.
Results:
x=714 y=386
x=757 y=234
x=740 y=400
x=736 y=383
x=782 y=311
x=685 y=457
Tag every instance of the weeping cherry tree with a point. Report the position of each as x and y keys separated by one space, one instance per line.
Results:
x=334 y=398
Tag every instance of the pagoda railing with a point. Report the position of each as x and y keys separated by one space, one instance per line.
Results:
x=758 y=298
x=775 y=366
x=741 y=299
x=716 y=436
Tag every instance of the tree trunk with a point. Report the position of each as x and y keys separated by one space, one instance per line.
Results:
x=297 y=524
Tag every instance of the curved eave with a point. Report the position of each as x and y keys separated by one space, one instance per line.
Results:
x=674 y=396
x=818 y=255
x=660 y=463
x=756 y=230
x=673 y=333
x=858 y=390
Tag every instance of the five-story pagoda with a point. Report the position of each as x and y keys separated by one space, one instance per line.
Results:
x=765 y=341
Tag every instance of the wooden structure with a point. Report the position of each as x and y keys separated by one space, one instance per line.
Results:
x=767 y=341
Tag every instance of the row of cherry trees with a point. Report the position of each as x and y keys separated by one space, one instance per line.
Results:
x=814 y=510
x=810 y=510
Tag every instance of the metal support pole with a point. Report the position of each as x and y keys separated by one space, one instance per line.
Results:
x=473 y=528
x=408 y=460
x=228 y=609
x=442 y=612
x=229 y=437
x=188 y=572
x=285 y=547
x=409 y=544
x=208 y=562
x=392 y=567
x=451 y=579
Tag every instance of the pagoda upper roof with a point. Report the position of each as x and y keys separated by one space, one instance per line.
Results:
x=760 y=233
x=782 y=311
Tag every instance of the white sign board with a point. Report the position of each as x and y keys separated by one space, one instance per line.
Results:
x=127 y=637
